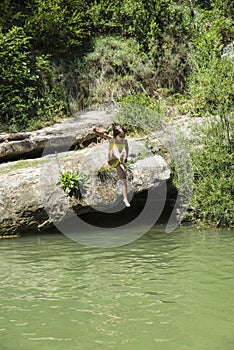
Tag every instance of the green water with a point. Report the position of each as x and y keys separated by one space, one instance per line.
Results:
x=164 y=291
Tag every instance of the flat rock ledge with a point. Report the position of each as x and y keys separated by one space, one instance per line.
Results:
x=77 y=131
x=32 y=200
x=68 y=133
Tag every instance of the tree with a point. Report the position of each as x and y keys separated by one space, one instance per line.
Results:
x=27 y=92
x=58 y=27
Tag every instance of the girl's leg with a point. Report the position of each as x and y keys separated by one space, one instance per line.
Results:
x=122 y=176
x=123 y=183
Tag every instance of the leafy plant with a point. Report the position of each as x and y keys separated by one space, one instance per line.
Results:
x=27 y=92
x=213 y=186
x=162 y=28
x=74 y=183
x=58 y=27
x=211 y=81
x=139 y=118
x=116 y=67
x=129 y=165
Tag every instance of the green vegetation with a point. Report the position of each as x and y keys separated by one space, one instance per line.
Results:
x=213 y=198
x=116 y=67
x=106 y=173
x=211 y=90
x=58 y=56
x=140 y=115
x=74 y=183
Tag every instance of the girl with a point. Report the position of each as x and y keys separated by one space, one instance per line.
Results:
x=117 y=155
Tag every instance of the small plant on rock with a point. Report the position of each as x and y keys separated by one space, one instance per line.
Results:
x=129 y=165
x=105 y=173
x=74 y=183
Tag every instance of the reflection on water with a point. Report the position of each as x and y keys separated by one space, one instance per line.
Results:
x=164 y=291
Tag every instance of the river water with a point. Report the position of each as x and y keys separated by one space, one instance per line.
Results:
x=164 y=291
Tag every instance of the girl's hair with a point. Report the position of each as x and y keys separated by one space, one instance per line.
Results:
x=117 y=129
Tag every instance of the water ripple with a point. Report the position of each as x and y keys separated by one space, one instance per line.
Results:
x=164 y=291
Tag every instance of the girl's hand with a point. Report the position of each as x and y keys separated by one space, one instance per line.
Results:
x=101 y=132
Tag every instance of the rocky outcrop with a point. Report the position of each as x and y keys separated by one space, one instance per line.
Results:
x=77 y=132
x=31 y=198
x=69 y=133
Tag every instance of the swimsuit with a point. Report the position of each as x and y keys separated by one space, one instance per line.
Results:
x=113 y=161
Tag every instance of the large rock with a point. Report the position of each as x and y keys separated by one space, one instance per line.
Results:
x=68 y=133
x=77 y=131
x=31 y=198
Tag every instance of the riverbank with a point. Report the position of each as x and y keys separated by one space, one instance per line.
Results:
x=32 y=200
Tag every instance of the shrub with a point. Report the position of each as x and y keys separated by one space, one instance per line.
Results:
x=17 y=90
x=14 y=13
x=74 y=182
x=115 y=68
x=106 y=173
x=210 y=85
x=27 y=91
x=58 y=27
x=162 y=29
x=213 y=187
x=140 y=114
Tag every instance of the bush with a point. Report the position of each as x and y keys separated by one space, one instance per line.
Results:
x=213 y=188
x=162 y=29
x=27 y=94
x=210 y=85
x=115 y=68
x=140 y=114
x=17 y=90
x=58 y=27
x=13 y=13
x=74 y=183
x=211 y=91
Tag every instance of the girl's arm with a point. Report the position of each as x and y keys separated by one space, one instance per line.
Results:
x=102 y=134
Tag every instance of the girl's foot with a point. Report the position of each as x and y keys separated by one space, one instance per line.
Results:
x=126 y=202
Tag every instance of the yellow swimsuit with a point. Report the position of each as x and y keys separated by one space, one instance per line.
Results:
x=114 y=162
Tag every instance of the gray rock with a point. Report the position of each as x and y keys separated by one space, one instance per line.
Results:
x=149 y=172
x=76 y=131
x=70 y=132
x=33 y=200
